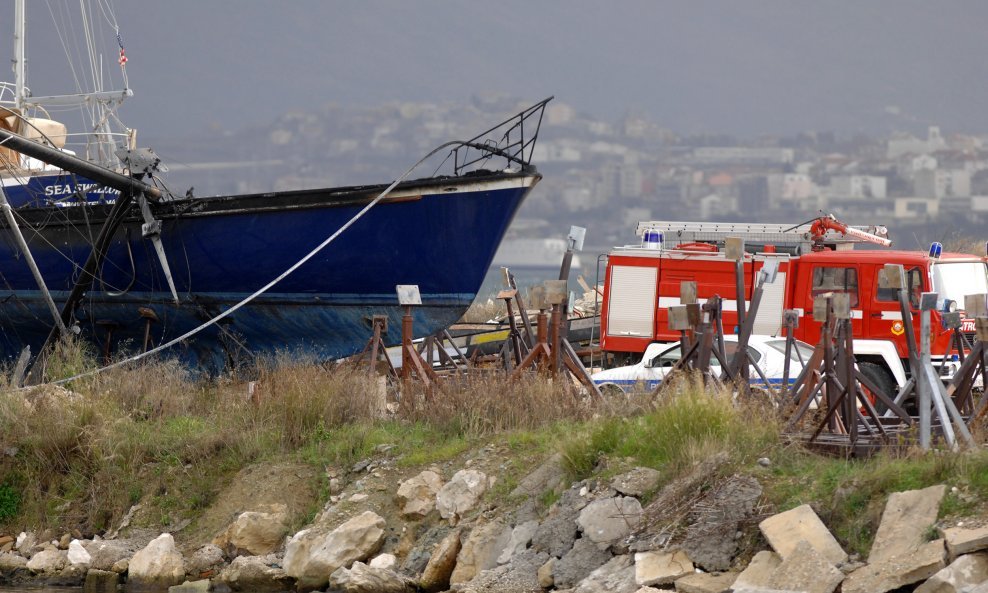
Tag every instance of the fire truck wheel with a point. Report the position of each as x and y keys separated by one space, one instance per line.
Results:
x=881 y=378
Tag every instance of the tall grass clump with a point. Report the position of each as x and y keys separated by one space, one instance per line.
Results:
x=480 y=405
x=690 y=423
x=300 y=400
x=484 y=311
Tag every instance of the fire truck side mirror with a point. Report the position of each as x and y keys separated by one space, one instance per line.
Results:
x=734 y=248
x=976 y=305
x=892 y=276
x=687 y=292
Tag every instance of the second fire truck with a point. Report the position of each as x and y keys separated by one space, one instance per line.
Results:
x=642 y=281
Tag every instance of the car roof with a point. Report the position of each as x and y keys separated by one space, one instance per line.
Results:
x=756 y=339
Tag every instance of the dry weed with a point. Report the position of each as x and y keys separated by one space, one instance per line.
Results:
x=484 y=311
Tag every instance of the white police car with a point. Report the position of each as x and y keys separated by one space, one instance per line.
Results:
x=765 y=351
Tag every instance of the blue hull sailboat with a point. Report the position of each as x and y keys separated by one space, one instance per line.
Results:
x=128 y=265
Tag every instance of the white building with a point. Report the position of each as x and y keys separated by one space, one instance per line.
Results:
x=942 y=183
x=713 y=206
x=556 y=152
x=743 y=154
x=858 y=186
x=557 y=114
x=909 y=144
x=790 y=187
x=906 y=208
x=580 y=198
x=907 y=168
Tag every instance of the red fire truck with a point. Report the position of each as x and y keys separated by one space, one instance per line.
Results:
x=642 y=281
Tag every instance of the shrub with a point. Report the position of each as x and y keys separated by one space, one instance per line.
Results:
x=10 y=502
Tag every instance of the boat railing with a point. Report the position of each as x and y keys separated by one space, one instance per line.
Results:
x=512 y=140
x=8 y=93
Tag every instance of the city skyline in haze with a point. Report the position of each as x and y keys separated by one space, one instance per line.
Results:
x=744 y=68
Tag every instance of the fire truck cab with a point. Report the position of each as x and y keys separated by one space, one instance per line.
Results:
x=642 y=281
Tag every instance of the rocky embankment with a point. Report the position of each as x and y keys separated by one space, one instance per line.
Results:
x=436 y=531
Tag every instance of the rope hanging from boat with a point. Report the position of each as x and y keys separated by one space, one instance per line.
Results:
x=267 y=286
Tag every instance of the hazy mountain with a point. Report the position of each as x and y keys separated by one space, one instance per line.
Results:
x=765 y=66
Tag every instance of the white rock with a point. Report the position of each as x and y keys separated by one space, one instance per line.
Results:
x=387 y=561
x=158 y=564
x=313 y=554
x=461 y=494
x=48 y=560
x=416 y=496
x=78 y=554
x=661 y=568
x=258 y=532
x=609 y=520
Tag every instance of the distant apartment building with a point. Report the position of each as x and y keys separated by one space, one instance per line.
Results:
x=582 y=197
x=790 y=187
x=908 y=167
x=753 y=195
x=942 y=183
x=556 y=152
x=743 y=154
x=630 y=181
x=713 y=207
x=858 y=187
x=904 y=144
x=907 y=208
x=557 y=114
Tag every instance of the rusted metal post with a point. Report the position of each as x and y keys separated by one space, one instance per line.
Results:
x=406 y=346
x=555 y=360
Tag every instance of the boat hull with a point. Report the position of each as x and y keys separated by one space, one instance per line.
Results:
x=439 y=234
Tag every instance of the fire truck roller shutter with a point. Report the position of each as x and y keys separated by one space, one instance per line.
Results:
x=631 y=311
x=768 y=321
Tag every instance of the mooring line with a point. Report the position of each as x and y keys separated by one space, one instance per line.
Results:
x=267 y=286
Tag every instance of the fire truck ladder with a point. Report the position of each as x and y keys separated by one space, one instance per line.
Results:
x=800 y=237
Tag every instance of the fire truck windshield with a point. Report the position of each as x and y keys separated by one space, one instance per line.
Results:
x=954 y=280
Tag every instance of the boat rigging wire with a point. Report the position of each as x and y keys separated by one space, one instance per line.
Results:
x=270 y=284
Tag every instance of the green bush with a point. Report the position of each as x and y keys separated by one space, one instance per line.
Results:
x=10 y=502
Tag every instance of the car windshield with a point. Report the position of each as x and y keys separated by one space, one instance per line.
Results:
x=955 y=280
x=668 y=358
x=805 y=351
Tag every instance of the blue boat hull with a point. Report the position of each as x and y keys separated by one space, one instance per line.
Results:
x=440 y=234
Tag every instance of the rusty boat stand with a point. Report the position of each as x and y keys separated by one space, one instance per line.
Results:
x=831 y=405
x=846 y=419
x=526 y=350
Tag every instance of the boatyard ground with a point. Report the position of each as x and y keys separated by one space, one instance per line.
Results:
x=174 y=453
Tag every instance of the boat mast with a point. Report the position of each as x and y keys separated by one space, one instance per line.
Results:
x=19 y=57
x=98 y=102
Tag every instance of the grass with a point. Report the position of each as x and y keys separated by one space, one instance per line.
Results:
x=689 y=425
x=10 y=501
x=156 y=434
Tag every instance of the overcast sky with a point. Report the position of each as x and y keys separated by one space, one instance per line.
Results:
x=743 y=67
